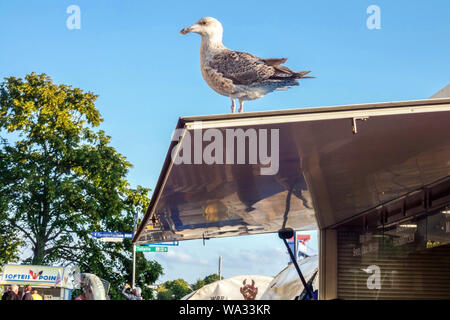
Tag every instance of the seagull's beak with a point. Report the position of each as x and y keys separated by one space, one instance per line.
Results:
x=186 y=30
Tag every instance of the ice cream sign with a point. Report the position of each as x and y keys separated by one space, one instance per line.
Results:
x=38 y=276
x=32 y=274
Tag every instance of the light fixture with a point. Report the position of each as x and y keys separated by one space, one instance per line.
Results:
x=408 y=226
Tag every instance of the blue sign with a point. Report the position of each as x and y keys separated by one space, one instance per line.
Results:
x=122 y=235
x=172 y=244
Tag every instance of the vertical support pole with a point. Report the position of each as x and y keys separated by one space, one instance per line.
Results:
x=220 y=267
x=133 y=281
x=328 y=264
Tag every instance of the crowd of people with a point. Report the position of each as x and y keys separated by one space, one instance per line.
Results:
x=13 y=293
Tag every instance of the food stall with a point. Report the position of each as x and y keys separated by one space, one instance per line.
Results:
x=374 y=179
x=52 y=283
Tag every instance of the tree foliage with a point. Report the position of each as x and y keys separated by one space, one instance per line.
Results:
x=207 y=280
x=9 y=241
x=61 y=180
x=177 y=289
x=173 y=290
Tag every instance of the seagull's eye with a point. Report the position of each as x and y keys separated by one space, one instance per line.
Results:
x=203 y=23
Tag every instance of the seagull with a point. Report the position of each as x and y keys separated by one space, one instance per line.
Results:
x=239 y=75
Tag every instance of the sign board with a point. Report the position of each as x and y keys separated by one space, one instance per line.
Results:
x=122 y=235
x=44 y=276
x=151 y=249
x=111 y=239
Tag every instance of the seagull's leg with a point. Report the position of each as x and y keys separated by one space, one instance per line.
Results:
x=241 y=106
x=233 y=105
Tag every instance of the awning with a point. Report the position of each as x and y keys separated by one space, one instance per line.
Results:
x=334 y=163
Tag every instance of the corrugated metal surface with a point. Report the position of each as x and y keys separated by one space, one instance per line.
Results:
x=424 y=274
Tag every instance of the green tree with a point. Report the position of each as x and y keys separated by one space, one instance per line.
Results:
x=173 y=290
x=61 y=180
x=207 y=280
x=200 y=283
x=9 y=241
x=164 y=294
x=211 y=278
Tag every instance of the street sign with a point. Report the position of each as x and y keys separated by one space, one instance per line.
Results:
x=111 y=239
x=170 y=244
x=122 y=235
x=151 y=249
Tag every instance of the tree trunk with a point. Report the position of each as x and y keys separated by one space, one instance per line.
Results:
x=38 y=252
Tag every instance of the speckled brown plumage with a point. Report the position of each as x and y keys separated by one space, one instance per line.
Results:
x=235 y=74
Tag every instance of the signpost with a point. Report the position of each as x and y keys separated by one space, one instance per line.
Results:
x=151 y=249
x=136 y=215
x=118 y=237
x=122 y=235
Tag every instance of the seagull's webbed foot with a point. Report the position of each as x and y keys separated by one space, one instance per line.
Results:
x=233 y=105
x=241 y=106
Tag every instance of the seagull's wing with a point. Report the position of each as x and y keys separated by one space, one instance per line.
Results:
x=241 y=67
x=245 y=68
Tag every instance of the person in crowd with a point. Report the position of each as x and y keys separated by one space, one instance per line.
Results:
x=20 y=294
x=36 y=296
x=14 y=293
x=27 y=293
x=134 y=295
x=6 y=293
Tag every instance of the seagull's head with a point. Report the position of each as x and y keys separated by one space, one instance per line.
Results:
x=208 y=27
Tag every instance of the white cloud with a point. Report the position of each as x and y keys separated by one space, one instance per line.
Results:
x=266 y=261
x=181 y=257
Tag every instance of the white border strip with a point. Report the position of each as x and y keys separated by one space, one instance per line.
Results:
x=257 y=121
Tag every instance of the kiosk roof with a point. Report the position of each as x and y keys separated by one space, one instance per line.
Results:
x=334 y=163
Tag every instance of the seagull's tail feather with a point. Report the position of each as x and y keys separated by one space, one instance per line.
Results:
x=284 y=73
x=302 y=75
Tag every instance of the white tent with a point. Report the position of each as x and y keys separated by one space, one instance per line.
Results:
x=244 y=287
x=287 y=284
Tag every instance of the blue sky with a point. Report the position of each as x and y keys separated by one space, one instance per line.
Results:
x=130 y=53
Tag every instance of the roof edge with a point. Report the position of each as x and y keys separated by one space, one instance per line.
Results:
x=306 y=110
